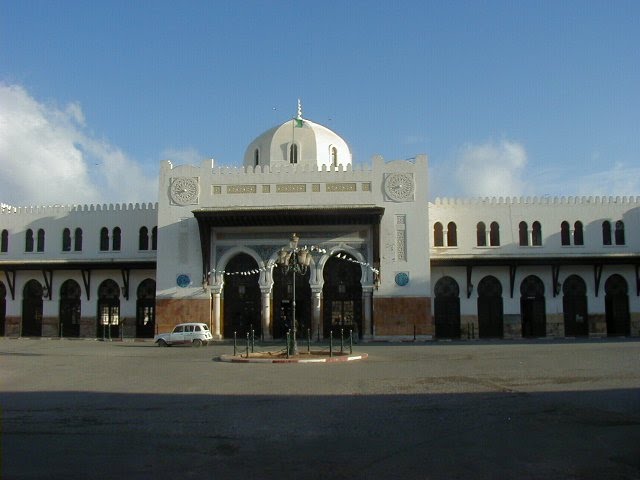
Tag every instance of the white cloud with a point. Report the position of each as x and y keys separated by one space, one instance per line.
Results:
x=48 y=158
x=187 y=156
x=491 y=169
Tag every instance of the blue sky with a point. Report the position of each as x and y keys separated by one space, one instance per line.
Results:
x=506 y=98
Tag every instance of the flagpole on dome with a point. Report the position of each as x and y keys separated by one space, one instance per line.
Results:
x=297 y=123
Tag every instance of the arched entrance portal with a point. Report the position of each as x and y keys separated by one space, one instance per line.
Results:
x=3 y=308
x=490 y=309
x=108 y=321
x=532 y=307
x=32 y=309
x=283 y=306
x=241 y=297
x=574 y=306
x=146 y=309
x=446 y=308
x=616 y=304
x=69 y=309
x=342 y=297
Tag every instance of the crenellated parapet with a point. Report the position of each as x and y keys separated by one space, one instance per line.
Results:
x=56 y=210
x=544 y=200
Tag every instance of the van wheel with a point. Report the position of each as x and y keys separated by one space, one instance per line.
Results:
x=197 y=342
x=162 y=343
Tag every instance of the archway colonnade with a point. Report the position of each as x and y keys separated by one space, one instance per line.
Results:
x=249 y=293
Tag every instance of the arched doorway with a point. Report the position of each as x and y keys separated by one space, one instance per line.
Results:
x=146 y=309
x=616 y=303
x=3 y=308
x=108 y=321
x=69 y=309
x=574 y=306
x=447 y=308
x=342 y=296
x=490 y=320
x=283 y=306
x=532 y=307
x=241 y=297
x=32 y=309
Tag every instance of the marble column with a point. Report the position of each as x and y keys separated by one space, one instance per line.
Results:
x=316 y=318
x=265 y=313
x=367 y=308
x=215 y=314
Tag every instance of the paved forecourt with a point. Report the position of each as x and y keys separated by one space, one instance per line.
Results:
x=545 y=409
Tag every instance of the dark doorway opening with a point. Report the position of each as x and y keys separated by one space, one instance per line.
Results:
x=342 y=297
x=241 y=297
x=446 y=308
x=146 y=309
x=490 y=308
x=616 y=302
x=532 y=308
x=69 y=309
x=108 y=321
x=32 y=309
x=574 y=306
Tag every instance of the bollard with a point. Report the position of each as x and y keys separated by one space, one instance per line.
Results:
x=414 y=332
x=122 y=331
x=331 y=343
x=318 y=338
x=342 y=340
x=308 y=340
x=61 y=329
x=253 y=339
x=350 y=341
x=103 y=328
x=235 y=344
x=288 y=342
x=247 y=349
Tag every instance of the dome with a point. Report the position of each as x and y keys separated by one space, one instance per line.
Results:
x=298 y=141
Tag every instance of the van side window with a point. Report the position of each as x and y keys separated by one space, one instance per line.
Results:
x=198 y=328
x=178 y=329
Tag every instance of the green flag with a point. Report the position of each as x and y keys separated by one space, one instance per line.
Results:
x=297 y=122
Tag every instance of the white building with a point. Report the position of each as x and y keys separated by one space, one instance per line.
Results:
x=385 y=262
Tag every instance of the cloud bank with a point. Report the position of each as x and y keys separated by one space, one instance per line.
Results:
x=48 y=157
x=502 y=169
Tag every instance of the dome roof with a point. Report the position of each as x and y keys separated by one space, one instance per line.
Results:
x=298 y=141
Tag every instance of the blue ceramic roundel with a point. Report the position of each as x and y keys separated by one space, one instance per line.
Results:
x=183 y=280
x=402 y=279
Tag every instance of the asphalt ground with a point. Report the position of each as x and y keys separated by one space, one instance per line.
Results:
x=549 y=409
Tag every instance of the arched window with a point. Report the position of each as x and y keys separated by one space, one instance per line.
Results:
x=481 y=234
x=578 y=234
x=452 y=235
x=116 y=241
x=438 y=239
x=293 y=153
x=40 y=246
x=4 y=243
x=256 y=158
x=143 y=239
x=77 y=240
x=606 y=232
x=66 y=240
x=536 y=237
x=523 y=234
x=494 y=235
x=619 y=232
x=334 y=156
x=565 y=234
x=154 y=238
x=28 y=241
x=104 y=239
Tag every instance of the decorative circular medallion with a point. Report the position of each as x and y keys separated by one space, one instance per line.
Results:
x=184 y=190
x=402 y=278
x=399 y=186
x=183 y=280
